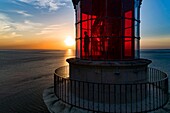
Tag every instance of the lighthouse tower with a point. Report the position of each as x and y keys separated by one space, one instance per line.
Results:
x=107 y=74
x=107 y=42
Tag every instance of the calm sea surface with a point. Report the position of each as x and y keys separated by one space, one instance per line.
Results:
x=24 y=74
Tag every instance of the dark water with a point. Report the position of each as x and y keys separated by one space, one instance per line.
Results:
x=160 y=59
x=24 y=74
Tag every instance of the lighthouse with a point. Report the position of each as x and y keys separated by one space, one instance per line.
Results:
x=107 y=42
x=107 y=73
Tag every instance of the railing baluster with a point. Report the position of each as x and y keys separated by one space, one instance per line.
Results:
x=71 y=92
x=62 y=88
x=131 y=97
x=109 y=98
x=65 y=89
x=88 y=94
x=153 y=95
x=150 y=96
x=98 y=96
x=79 y=91
x=93 y=96
x=68 y=90
x=126 y=96
x=144 y=97
x=55 y=84
x=83 y=95
x=103 y=98
x=157 y=95
x=162 y=92
x=115 y=98
x=141 y=96
x=120 y=98
x=75 y=92
x=136 y=97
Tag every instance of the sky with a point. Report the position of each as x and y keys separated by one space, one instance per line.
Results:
x=45 y=24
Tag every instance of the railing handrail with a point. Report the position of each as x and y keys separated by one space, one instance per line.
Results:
x=99 y=97
x=144 y=82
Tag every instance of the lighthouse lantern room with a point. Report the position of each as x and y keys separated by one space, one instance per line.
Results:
x=107 y=42
x=107 y=29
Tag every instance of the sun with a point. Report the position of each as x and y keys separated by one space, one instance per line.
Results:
x=69 y=41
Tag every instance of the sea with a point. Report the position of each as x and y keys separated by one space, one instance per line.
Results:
x=24 y=74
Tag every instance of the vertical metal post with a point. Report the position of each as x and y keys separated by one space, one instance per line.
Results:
x=126 y=94
x=98 y=96
x=93 y=95
x=136 y=97
x=55 y=85
x=75 y=93
x=149 y=96
x=65 y=89
x=131 y=97
x=156 y=95
x=159 y=93
x=71 y=91
x=115 y=93
x=145 y=97
x=79 y=91
x=62 y=88
x=120 y=96
x=109 y=98
x=141 y=96
x=60 y=82
x=88 y=94
x=68 y=90
x=81 y=36
x=83 y=95
x=104 y=97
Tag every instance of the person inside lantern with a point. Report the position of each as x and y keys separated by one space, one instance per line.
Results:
x=86 y=44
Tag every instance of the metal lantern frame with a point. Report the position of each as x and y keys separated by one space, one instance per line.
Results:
x=113 y=28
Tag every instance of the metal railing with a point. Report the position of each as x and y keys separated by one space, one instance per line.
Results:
x=99 y=97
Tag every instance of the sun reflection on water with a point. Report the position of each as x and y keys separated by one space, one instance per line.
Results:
x=70 y=53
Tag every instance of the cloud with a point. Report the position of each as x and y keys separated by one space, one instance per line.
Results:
x=10 y=35
x=24 y=13
x=52 y=5
x=5 y=23
x=15 y=34
x=51 y=29
x=17 y=3
x=8 y=28
x=21 y=12
x=27 y=25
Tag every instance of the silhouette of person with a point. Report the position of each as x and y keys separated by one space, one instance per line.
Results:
x=102 y=39
x=86 y=44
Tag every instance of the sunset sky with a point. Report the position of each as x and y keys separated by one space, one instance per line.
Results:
x=45 y=24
